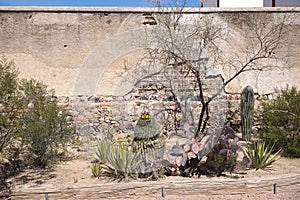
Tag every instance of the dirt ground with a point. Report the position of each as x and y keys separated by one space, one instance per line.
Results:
x=72 y=178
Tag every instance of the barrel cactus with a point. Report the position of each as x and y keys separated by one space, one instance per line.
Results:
x=147 y=142
x=247 y=105
x=147 y=135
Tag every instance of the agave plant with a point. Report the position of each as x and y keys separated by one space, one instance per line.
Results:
x=118 y=161
x=96 y=170
x=260 y=155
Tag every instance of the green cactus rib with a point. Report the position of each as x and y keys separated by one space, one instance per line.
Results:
x=247 y=105
x=147 y=136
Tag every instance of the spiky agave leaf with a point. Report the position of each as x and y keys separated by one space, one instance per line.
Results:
x=96 y=170
x=261 y=155
x=118 y=161
x=103 y=148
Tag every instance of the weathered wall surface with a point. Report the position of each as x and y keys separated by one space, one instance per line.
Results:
x=61 y=45
x=89 y=53
x=52 y=45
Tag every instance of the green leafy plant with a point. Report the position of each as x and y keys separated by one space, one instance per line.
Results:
x=260 y=155
x=31 y=122
x=45 y=126
x=280 y=119
x=10 y=103
x=118 y=161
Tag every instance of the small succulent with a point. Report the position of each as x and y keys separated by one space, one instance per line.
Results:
x=118 y=161
x=96 y=170
x=260 y=155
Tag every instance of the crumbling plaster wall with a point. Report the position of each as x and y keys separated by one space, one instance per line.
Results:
x=85 y=53
x=51 y=45
x=55 y=45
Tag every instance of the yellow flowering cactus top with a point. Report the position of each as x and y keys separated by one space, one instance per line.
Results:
x=145 y=116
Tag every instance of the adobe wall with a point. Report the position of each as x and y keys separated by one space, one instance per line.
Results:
x=55 y=45
x=87 y=54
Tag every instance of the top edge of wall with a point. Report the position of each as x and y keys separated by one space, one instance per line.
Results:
x=142 y=10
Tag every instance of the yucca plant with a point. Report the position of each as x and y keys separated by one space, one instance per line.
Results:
x=118 y=161
x=260 y=155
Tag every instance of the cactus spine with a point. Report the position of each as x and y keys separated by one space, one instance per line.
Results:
x=247 y=105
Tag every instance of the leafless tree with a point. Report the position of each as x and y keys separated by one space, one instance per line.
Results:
x=193 y=43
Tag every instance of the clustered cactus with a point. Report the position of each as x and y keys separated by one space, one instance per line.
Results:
x=223 y=156
x=247 y=106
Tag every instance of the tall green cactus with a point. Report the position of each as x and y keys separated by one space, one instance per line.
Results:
x=247 y=105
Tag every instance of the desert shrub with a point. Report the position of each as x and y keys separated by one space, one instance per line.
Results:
x=10 y=103
x=118 y=161
x=45 y=126
x=260 y=154
x=31 y=122
x=280 y=119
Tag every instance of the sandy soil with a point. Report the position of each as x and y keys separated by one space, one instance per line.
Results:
x=72 y=179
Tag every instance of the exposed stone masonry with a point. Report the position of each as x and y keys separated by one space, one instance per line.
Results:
x=96 y=114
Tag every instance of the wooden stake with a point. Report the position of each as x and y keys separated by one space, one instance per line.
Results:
x=163 y=192
x=275 y=188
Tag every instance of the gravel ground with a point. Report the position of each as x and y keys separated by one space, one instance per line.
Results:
x=71 y=179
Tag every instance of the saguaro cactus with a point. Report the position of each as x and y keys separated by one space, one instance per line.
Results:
x=247 y=105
